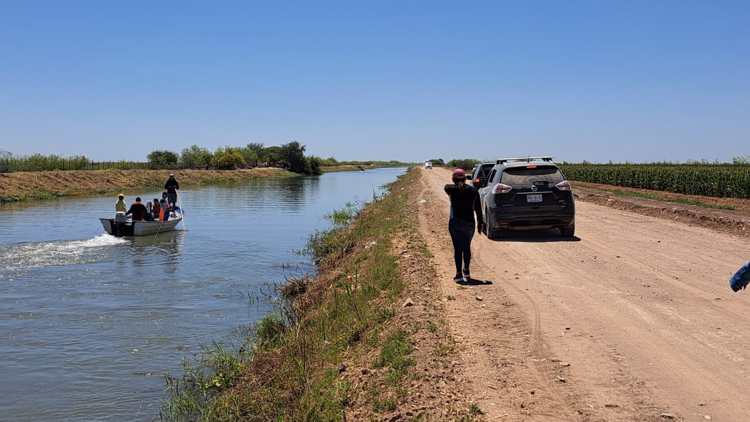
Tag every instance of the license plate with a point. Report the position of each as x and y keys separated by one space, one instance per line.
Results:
x=535 y=198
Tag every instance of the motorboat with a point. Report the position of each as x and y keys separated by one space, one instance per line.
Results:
x=127 y=227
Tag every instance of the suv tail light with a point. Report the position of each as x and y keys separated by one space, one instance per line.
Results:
x=564 y=185
x=501 y=188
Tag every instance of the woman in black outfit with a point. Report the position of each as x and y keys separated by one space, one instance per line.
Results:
x=464 y=203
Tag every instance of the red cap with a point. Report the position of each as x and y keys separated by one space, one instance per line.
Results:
x=459 y=174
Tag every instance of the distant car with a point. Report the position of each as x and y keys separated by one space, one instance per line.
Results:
x=527 y=193
x=428 y=165
x=480 y=174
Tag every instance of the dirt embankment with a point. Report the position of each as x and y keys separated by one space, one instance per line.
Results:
x=23 y=186
x=632 y=321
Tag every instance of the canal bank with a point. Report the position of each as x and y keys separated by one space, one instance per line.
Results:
x=26 y=186
x=364 y=339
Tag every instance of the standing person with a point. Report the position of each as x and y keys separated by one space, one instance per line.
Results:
x=464 y=203
x=120 y=209
x=137 y=210
x=172 y=187
x=120 y=206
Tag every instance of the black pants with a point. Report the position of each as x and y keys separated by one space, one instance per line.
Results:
x=461 y=233
x=172 y=197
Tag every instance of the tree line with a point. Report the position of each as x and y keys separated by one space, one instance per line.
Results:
x=290 y=156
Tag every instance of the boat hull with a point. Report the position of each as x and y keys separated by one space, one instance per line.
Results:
x=138 y=228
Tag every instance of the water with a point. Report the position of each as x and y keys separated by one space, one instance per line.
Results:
x=89 y=323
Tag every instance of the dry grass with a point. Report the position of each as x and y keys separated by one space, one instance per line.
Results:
x=23 y=186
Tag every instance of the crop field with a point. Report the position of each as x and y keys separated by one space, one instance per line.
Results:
x=720 y=180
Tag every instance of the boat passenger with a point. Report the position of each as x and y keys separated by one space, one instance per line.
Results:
x=171 y=186
x=156 y=209
x=164 y=213
x=137 y=210
x=120 y=204
x=149 y=212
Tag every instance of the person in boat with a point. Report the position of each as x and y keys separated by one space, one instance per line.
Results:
x=120 y=209
x=156 y=209
x=149 y=211
x=164 y=210
x=171 y=186
x=464 y=203
x=120 y=204
x=137 y=211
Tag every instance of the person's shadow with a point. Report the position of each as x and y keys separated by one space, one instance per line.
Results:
x=474 y=282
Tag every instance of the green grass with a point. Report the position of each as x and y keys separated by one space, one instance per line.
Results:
x=394 y=355
x=683 y=201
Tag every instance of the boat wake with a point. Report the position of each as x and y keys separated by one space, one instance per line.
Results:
x=43 y=254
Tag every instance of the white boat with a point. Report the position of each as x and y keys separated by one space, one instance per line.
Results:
x=140 y=228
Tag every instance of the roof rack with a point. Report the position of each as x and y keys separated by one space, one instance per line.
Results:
x=524 y=159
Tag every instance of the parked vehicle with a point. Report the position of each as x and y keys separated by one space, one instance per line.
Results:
x=527 y=193
x=480 y=174
x=428 y=165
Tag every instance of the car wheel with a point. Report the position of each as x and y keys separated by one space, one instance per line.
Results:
x=569 y=230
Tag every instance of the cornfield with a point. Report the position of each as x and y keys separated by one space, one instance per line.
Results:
x=721 y=180
x=38 y=162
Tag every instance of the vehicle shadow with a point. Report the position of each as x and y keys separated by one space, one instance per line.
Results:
x=474 y=282
x=536 y=236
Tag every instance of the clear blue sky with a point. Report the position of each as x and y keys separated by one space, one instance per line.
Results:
x=594 y=80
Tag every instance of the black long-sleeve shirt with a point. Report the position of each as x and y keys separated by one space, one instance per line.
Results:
x=138 y=211
x=171 y=186
x=464 y=202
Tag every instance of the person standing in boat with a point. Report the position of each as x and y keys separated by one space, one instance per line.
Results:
x=120 y=206
x=172 y=187
x=137 y=210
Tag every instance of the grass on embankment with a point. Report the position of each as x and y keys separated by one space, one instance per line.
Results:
x=294 y=366
x=24 y=186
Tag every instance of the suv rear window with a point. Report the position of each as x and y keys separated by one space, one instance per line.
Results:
x=484 y=170
x=524 y=176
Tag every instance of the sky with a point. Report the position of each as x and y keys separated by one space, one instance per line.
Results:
x=407 y=80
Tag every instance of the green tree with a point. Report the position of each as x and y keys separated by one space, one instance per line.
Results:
x=162 y=159
x=463 y=163
x=228 y=158
x=294 y=155
x=195 y=157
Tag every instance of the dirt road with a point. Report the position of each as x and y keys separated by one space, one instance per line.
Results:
x=633 y=322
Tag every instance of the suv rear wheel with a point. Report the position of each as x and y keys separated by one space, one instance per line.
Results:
x=569 y=230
